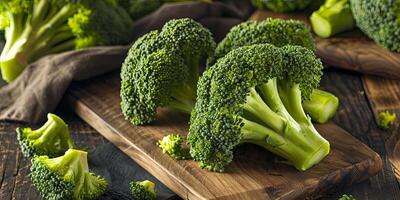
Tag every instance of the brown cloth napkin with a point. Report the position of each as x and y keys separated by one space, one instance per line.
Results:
x=39 y=89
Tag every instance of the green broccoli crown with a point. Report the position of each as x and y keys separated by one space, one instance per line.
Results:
x=52 y=139
x=172 y=145
x=229 y=109
x=66 y=177
x=278 y=32
x=281 y=5
x=140 y=8
x=161 y=69
x=386 y=119
x=380 y=20
x=143 y=190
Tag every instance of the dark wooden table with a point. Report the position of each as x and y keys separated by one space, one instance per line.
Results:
x=355 y=115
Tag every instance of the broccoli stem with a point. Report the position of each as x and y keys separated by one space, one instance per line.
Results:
x=183 y=99
x=321 y=106
x=287 y=132
x=333 y=17
x=30 y=37
x=74 y=161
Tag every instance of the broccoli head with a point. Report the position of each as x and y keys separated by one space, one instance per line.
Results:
x=143 y=190
x=386 y=119
x=380 y=20
x=162 y=69
x=281 y=5
x=254 y=95
x=172 y=145
x=66 y=177
x=278 y=32
x=52 y=139
x=37 y=28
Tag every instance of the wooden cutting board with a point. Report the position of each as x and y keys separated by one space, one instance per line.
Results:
x=252 y=175
x=350 y=50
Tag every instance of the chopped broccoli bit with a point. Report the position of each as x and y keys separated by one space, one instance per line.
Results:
x=281 y=5
x=37 y=28
x=333 y=17
x=379 y=20
x=52 y=139
x=253 y=95
x=386 y=119
x=66 y=177
x=172 y=145
x=321 y=106
x=143 y=190
x=162 y=69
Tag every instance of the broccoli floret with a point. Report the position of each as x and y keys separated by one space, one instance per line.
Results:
x=253 y=95
x=66 y=177
x=380 y=20
x=386 y=119
x=333 y=17
x=172 y=145
x=37 y=28
x=278 y=32
x=321 y=106
x=162 y=69
x=281 y=5
x=52 y=139
x=347 y=197
x=143 y=190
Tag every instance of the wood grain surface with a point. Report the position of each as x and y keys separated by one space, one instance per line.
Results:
x=252 y=175
x=351 y=50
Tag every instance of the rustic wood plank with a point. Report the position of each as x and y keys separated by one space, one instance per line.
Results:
x=356 y=116
x=97 y=102
x=383 y=95
x=351 y=50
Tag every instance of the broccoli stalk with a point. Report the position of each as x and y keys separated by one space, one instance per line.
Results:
x=66 y=177
x=143 y=190
x=289 y=132
x=321 y=106
x=34 y=29
x=52 y=139
x=254 y=95
x=332 y=18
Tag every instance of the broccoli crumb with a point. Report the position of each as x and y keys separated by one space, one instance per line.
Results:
x=386 y=119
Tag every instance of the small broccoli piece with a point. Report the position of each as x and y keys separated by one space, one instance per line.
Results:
x=143 y=190
x=37 y=28
x=321 y=106
x=379 y=20
x=278 y=32
x=253 y=95
x=162 y=69
x=281 y=6
x=347 y=197
x=386 y=119
x=52 y=139
x=332 y=18
x=66 y=177
x=172 y=145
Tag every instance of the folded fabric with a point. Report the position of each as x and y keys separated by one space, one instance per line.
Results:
x=39 y=89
